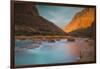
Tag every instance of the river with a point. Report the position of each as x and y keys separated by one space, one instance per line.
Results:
x=28 y=52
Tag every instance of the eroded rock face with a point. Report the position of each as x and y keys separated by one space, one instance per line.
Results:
x=85 y=32
x=29 y=22
x=81 y=20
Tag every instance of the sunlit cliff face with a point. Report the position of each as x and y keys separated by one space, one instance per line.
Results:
x=83 y=19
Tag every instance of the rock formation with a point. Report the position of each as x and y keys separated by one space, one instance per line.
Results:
x=81 y=20
x=28 y=21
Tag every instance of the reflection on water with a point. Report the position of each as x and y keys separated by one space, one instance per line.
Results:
x=28 y=52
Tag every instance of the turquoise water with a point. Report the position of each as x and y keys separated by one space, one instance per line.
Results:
x=60 y=51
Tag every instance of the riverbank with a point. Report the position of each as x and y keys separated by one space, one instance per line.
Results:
x=42 y=37
x=87 y=51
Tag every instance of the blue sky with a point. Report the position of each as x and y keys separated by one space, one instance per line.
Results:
x=59 y=15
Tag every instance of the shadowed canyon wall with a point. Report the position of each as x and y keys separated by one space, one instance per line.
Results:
x=29 y=22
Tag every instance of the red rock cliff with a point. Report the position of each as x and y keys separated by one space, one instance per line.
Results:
x=83 y=19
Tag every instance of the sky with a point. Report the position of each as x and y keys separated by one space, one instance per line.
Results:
x=59 y=15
